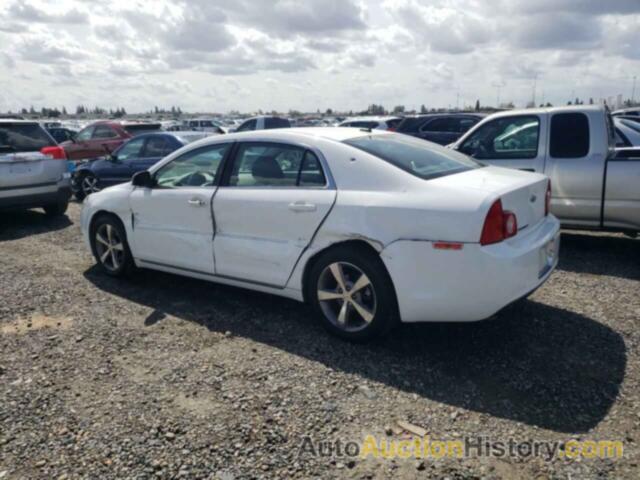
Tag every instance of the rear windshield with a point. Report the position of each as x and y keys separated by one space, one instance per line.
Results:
x=23 y=137
x=420 y=158
x=139 y=129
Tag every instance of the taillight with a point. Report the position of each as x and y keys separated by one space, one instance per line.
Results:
x=547 y=200
x=57 y=153
x=499 y=225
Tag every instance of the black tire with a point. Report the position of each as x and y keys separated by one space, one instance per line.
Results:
x=79 y=190
x=56 y=209
x=116 y=262
x=76 y=188
x=377 y=298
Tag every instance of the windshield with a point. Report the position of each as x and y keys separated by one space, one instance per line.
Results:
x=418 y=157
x=23 y=137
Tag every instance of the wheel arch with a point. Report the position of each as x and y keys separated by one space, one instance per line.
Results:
x=358 y=243
x=104 y=213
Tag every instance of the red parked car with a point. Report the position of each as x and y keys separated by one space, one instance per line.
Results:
x=103 y=137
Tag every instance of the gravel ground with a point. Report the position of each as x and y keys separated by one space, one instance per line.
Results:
x=164 y=377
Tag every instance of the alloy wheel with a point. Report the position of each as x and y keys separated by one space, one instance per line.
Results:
x=89 y=185
x=346 y=296
x=109 y=247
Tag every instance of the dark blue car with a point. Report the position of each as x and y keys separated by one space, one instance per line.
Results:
x=134 y=156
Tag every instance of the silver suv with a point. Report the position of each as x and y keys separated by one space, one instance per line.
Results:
x=33 y=168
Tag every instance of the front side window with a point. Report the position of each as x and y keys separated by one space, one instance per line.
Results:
x=103 y=131
x=84 y=134
x=197 y=168
x=248 y=125
x=505 y=138
x=130 y=150
x=569 y=135
x=413 y=155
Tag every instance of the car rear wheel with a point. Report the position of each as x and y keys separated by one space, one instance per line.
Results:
x=56 y=209
x=352 y=294
x=110 y=247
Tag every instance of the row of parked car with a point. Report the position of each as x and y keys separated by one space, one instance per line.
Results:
x=288 y=211
x=106 y=153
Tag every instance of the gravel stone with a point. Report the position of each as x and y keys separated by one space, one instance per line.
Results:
x=164 y=377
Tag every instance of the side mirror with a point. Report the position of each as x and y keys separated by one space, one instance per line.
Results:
x=142 y=179
x=113 y=158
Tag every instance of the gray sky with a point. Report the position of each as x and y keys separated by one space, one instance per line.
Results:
x=218 y=55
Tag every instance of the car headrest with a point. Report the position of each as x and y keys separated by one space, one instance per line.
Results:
x=266 y=167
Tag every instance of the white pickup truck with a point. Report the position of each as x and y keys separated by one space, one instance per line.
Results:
x=592 y=188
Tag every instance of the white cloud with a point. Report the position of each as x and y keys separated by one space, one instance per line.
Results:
x=308 y=54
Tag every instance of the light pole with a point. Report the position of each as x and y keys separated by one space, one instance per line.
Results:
x=633 y=90
x=498 y=86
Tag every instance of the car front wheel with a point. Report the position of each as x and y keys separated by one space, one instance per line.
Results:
x=352 y=294
x=85 y=185
x=110 y=247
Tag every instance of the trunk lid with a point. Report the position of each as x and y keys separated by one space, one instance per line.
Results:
x=522 y=193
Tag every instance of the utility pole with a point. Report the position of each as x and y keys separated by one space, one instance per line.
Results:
x=535 y=81
x=633 y=90
x=498 y=86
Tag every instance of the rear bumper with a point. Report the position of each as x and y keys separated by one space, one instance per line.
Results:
x=473 y=283
x=34 y=197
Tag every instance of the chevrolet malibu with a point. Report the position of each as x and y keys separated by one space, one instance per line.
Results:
x=371 y=228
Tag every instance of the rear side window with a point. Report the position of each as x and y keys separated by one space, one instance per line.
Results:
x=275 y=165
x=157 y=147
x=23 y=137
x=413 y=155
x=277 y=123
x=445 y=124
x=569 y=135
x=263 y=164
x=103 y=131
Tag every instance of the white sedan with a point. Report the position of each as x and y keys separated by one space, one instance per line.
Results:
x=369 y=227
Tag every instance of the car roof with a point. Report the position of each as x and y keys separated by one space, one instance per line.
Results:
x=448 y=114
x=15 y=120
x=545 y=110
x=298 y=133
x=372 y=118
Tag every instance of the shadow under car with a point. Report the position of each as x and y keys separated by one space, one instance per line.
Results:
x=532 y=363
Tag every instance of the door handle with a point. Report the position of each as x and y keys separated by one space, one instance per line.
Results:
x=302 y=207
x=196 y=202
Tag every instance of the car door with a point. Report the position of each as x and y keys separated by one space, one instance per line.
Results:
x=576 y=165
x=104 y=140
x=439 y=130
x=173 y=222
x=75 y=150
x=271 y=202
x=116 y=168
x=509 y=141
x=156 y=147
